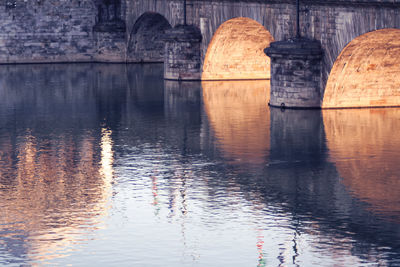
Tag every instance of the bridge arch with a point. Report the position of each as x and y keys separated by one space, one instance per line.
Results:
x=366 y=72
x=236 y=51
x=146 y=39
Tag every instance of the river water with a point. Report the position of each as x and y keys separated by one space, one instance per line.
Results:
x=110 y=165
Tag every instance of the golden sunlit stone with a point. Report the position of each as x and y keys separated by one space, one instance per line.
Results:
x=364 y=145
x=239 y=116
x=366 y=73
x=236 y=51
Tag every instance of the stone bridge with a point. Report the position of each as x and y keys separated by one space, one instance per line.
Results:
x=360 y=40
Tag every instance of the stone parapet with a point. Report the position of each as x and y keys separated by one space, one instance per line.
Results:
x=295 y=73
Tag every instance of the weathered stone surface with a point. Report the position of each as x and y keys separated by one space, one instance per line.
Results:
x=334 y=23
x=366 y=72
x=110 y=46
x=61 y=31
x=182 y=53
x=146 y=43
x=109 y=32
x=242 y=58
x=295 y=73
x=46 y=31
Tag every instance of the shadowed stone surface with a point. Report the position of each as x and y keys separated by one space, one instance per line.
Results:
x=146 y=42
x=182 y=53
x=295 y=73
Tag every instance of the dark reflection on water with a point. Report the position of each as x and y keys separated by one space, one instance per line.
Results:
x=112 y=165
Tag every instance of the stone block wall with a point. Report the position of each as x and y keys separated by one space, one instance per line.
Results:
x=46 y=30
x=336 y=23
x=110 y=46
x=208 y=15
x=65 y=30
x=182 y=53
x=146 y=40
x=295 y=73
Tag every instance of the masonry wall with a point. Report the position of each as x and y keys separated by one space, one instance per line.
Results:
x=337 y=25
x=334 y=23
x=209 y=15
x=46 y=30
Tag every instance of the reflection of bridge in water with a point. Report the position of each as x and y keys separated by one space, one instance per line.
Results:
x=346 y=161
x=302 y=156
x=234 y=107
x=56 y=170
x=310 y=164
x=364 y=146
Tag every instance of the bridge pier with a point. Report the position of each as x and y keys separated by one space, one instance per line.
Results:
x=110 y=41
x=182 y=53
x=295 y=73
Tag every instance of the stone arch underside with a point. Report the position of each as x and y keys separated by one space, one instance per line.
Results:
x=146 y=39
x=366 y=72
x=236 y=51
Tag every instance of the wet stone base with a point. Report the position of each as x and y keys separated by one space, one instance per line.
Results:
x=183 y=56
x=295 y=73
x=110 y=41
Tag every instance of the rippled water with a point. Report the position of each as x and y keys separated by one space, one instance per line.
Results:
x=109 y=165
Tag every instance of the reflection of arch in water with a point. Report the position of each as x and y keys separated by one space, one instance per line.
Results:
x=145 y=86
x=56 y=168
x=236 y=51
x=239 y=116
x=366 y=72
x=365 y=145
x=182 y=101
x=146 y=39
x=61 y=191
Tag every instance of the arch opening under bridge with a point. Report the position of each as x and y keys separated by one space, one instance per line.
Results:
x=366 y=73
x=236 y=51
x=146 y=42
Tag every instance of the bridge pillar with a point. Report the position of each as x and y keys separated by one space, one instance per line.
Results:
x=110 y=41
x=295 y=73
x=182 y=53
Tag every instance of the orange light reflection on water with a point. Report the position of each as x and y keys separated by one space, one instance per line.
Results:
x=239 y=116
x=61 y=190
x=364 y=144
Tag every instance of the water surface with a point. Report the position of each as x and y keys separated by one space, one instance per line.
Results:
x=111 y=165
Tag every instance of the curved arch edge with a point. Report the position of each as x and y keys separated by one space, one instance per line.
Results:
x=236 y=51
x=364 y=74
